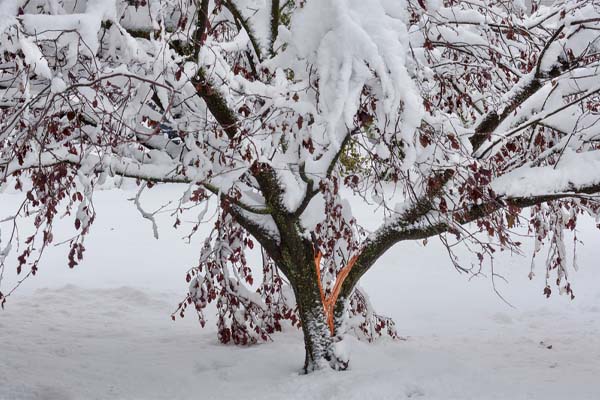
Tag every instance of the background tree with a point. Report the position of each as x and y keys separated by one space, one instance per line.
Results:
x=449 y=117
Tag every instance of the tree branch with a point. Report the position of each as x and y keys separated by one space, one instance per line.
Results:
x=266 y=239
x=275 y=17
x=201 y=26
x=216 y=103
x=492 y=120
x=244 y=23
x=387 y=236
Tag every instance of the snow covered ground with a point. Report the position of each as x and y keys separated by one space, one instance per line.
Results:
x=103 y=330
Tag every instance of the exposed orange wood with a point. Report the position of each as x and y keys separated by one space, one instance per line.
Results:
x=318 y=256
x=329 y=301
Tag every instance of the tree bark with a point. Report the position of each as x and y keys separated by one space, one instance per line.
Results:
x=320 y=344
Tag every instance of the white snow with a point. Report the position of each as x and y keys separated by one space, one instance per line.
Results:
x=103 y=331
x=34 y=58
x=341 y=38
x=8 y=9
x=57 y=85
x=573 y=170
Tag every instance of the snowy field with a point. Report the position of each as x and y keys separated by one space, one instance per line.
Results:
x=103 y=330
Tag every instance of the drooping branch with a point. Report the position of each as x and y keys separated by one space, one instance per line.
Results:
x=127 y=169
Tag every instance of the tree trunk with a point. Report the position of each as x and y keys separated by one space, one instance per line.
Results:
x=322 y=349
x=320 y=345
x=318 y=342
x=299 y=262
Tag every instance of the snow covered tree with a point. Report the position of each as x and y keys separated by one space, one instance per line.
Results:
x=449 y=117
